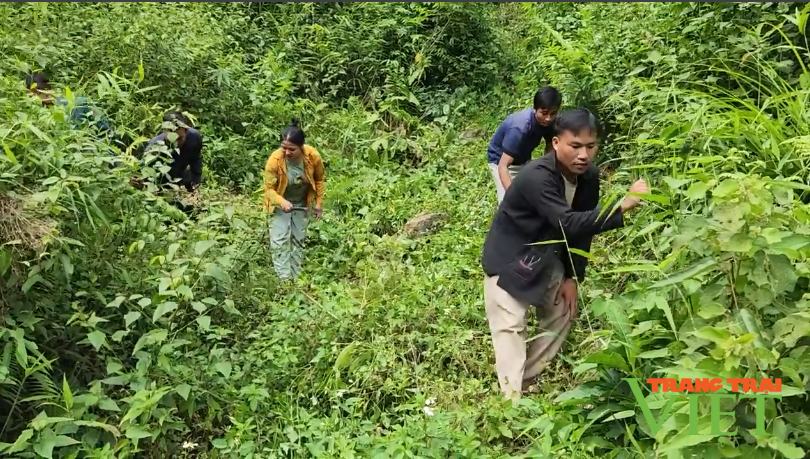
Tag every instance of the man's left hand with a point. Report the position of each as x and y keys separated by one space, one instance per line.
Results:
x=318 y=211
x=568 y=295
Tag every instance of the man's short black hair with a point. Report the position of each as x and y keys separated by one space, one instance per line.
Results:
x=576 y=121
x=40 y=79
x=547 y=98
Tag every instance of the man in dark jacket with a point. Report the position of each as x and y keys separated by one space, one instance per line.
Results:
x=552 y=199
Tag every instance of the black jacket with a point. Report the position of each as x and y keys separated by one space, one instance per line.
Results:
x=534 y=210
x=186 y=162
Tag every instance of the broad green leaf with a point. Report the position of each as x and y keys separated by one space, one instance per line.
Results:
x=739 y=243
x=711 y=310
x=726 y=188
x=108 y=404
x=202 y=246
x=172 y=250
x=199 y=307
x=229 y=307
x=713 y=334
x=131 y=317
x=43 y=420
x=99 y=425
x=790 y=391
x=116 y=302
x=219 y=443
x=114 y=367
x=790 y=330
x=224 y=368
x=609 y=359
x=185 y=291
x=637 y=70
x=750 y=325
x=153 y=337
x=97 y=339
x=22 y=441
x=31 y=282
x=215 y=271
x=579 y=394
x=116 y=381
x=656 y=354
x=788 y=450
x=697 y=190
x=47 y=441
x=773 y=235
x=620 y=415
x=204 y=322
x=675 y=183
x=163 y=309
x=137 y=433
x=345 y=356
x=183 y=390
x=119 y=335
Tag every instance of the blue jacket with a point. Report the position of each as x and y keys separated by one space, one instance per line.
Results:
x=519 y=135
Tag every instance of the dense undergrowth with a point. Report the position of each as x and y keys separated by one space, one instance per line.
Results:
x=129 y=330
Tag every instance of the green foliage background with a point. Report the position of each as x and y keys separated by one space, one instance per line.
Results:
x=130 y=330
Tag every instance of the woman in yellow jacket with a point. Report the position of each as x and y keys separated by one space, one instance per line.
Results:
x=294 y=179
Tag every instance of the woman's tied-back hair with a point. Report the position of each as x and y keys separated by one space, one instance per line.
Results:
x=294 y=134
x=42 y=83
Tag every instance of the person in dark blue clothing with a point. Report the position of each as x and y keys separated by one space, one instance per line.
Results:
x=83 y=113
x=83 y=110
x=519 y=135
x=180 y=147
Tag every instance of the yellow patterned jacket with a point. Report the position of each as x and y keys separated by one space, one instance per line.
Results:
x=275 y=178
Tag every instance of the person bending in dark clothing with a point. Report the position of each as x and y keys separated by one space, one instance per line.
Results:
x=180 y=146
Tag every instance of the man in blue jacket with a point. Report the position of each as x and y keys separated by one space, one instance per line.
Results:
x=554 y=198
x=519 y=135
x=83 y=111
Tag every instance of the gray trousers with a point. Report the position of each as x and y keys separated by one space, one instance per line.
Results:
x=287 y=233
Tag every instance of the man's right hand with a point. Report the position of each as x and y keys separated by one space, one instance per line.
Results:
x=286 y=206
x=639 y=187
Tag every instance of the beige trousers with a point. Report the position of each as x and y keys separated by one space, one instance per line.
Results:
x=501 y=192
x=517 y=360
